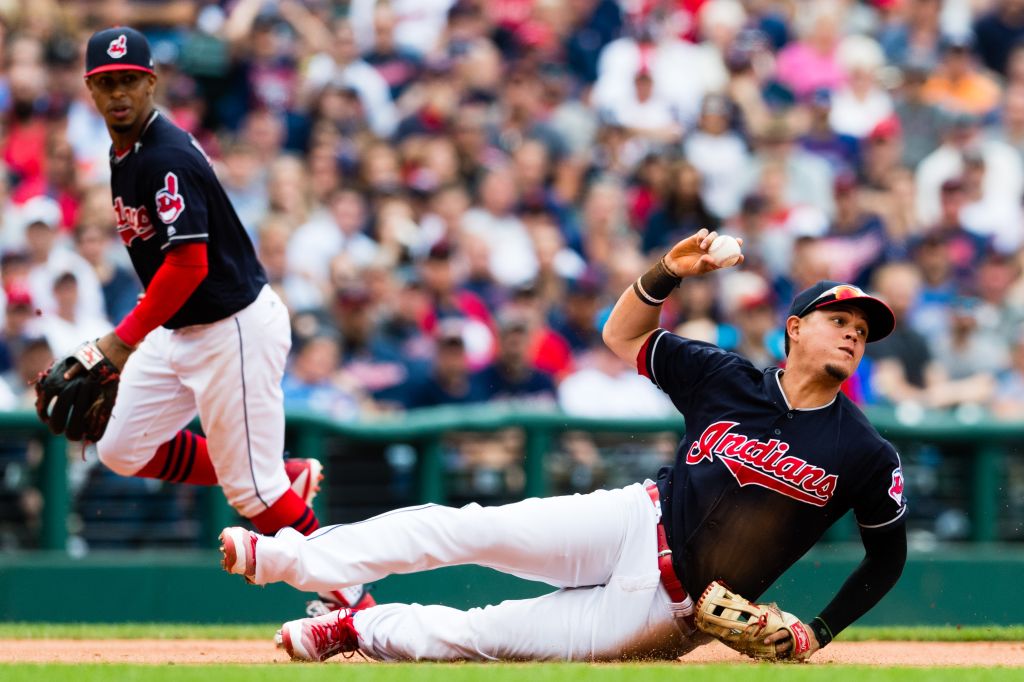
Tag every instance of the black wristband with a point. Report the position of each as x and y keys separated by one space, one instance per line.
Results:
x=821 y=631
x=655 y=285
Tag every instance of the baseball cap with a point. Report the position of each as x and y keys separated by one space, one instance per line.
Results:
x=450 y=333
x=961 y=40
x=18 y=297
x=41 y=210
x=117 y=49
x=352 y=297
x=825 y=293
x=886 y=129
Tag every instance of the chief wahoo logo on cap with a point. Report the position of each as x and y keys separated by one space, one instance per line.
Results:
x=118 y=47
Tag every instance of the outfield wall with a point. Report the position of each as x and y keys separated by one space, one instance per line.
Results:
x=973 y=586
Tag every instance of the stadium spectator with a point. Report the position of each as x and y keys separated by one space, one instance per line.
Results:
x=451 y=380
x=682 y=209
x=50 y=257
x=905 y=369
x=512 y=378
x=1004 y=177
x=1008 y=400
x=958 y=85
x=812 y=61
x=861 y=103
x=719 y=154
x=66 y=326
x=839 y=150
x=20 y=326
x=913 y=37
x=605 y=386
x=857 y=241
x=999 y=30
x=1011 y=124
x=95 y=242
x=312 y=382
x=921 y=122
x=806 y=178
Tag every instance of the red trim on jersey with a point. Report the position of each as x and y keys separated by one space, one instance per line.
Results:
x=181 y=273
x=641 y=357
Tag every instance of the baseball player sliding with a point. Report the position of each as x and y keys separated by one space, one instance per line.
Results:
x=209 y=335
x=769 y=461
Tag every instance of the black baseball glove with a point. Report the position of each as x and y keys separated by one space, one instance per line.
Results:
x=80 y=406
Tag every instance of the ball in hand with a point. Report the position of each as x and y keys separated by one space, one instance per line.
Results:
x=725 y=251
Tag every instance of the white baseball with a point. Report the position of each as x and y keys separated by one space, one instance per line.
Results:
x=725 y=250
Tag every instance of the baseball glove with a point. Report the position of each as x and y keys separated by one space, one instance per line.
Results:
x=78 y=407
x=743 y=625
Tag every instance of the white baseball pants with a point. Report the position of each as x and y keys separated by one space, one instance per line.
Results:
x=600 y=549
x=230 y=372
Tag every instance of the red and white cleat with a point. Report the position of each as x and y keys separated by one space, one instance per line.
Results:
x=317 y=639
x=305 y=476
x=238 y=546
x=354 y=598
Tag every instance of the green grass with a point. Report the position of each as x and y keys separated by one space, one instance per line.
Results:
x=425 y=672
x=993 y=633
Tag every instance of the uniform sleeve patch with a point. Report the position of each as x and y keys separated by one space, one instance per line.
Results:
x=169 y=203
x=896 y=488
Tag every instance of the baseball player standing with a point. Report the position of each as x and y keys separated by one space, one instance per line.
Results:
x=770 y=460
x=209 y=335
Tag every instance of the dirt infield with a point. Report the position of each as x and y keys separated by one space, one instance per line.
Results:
x=254 y=651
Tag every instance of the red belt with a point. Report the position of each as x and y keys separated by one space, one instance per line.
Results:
x=682 y=604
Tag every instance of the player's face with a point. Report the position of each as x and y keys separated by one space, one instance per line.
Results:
x=122 y=97
x=837 y=339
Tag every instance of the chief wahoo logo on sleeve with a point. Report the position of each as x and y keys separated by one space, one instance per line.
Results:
x=169 y=204
x=896 y=489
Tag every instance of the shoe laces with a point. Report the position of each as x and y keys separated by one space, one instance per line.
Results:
x=334 y=635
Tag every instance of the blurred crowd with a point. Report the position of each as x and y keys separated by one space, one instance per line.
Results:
x=451 y=194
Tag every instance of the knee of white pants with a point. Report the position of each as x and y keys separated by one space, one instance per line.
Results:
x=249 y=502
x=120 y=455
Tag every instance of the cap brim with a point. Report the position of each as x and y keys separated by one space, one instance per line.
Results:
x=119 y=67
x=881 y=320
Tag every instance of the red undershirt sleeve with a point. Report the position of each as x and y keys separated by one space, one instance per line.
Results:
x=183 y=269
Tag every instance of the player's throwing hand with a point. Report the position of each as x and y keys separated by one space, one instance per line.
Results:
x=690 y=256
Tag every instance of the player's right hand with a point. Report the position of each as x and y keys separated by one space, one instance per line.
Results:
x=690 y=257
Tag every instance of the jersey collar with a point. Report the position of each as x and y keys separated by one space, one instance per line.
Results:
x=117 y=156
x=785 y=400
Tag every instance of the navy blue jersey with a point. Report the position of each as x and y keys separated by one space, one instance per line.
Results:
x=166 y=193
x=756 y=483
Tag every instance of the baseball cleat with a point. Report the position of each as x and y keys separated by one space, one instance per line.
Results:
x=238 y=546
x=317 y=639
x=305 y=476
x=354 y=598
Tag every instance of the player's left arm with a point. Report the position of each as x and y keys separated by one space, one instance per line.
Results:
x=880 y=510
x=885 y=554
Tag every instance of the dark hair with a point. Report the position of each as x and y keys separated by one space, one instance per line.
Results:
x=679 y=207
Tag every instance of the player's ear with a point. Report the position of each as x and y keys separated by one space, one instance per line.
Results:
x=792 y=329
x=151 y=83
